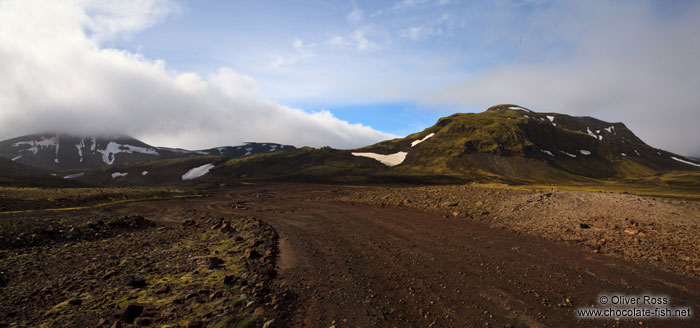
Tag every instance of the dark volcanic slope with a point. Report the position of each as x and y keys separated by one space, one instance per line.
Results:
x=62 y=151
x=516 y=143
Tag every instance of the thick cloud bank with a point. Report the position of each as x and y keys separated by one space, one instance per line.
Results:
x=632 y=61
x=55 y=75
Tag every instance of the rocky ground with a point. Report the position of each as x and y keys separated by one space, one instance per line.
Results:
x=128 y=271
x=660 y=231
x=295 y=255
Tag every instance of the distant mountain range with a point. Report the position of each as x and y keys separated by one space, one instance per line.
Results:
x=506 y=143
x=53 y=151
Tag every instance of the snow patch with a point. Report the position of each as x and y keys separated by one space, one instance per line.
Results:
x=623 y=154
x=94 y=144
x=584 y=152
x=80 y=147
x=35 y=145
x=144 y=173
x=685 y=162
x=74 y=175
x=388 y=160
x=197 y=172
x=16 y=158
x=590 y=133
x=567 y=154
x=117 y=174
x=636 y=152
x=547 y=152
x=113 y=148
x=519 y=108
x=246 y=153
x=415 y=142
x=551 y=119
x=610 y=129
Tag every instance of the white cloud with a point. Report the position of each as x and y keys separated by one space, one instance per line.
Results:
x=56 y=76
x=360 y=38
x=355 y=16
x=109 y=19
x=337 y=40
x=301 y=51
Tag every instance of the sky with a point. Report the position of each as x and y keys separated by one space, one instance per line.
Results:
x=199 y=74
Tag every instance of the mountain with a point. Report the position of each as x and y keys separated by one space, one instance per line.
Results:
x=516 y=143
x=18 y=175
x=52 y=151
x=507 y=143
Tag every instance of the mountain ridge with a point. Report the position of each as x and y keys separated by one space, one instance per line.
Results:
x=64 y=151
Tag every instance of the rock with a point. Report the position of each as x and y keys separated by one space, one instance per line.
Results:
x=143 y=321
x=188 y=223
x=109 y=274
x=268 y=253
x=227 y=228
x=132 y=312
x=251 y=253
x=195 y=324
x=268 y=323
x=455 y=213
x=214 y=263
x=631 y=231
x=75 y=301
x=161 y=289
x=449 y=204
x=134 y=281
x=479 y=203
x=230 y=280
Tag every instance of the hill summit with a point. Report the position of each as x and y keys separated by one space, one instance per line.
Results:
x=516 y=142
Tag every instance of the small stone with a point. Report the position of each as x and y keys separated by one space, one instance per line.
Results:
x=195 y=324
x=132 y=312
x=161 y=289
x=631 y=231
x=188 y=223
x=214 y=263
x=251 y=253
x=455 y=213
x=134 y=281
x=268 y=323
x=584 y=226
x=230 y=280
x=143 y=321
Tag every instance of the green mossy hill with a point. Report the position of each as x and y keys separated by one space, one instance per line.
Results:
x=517 y=143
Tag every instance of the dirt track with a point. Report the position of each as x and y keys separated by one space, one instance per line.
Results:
x=357 y=265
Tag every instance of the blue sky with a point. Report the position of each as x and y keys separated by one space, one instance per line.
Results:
x=200 y=74
x=309 y=54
